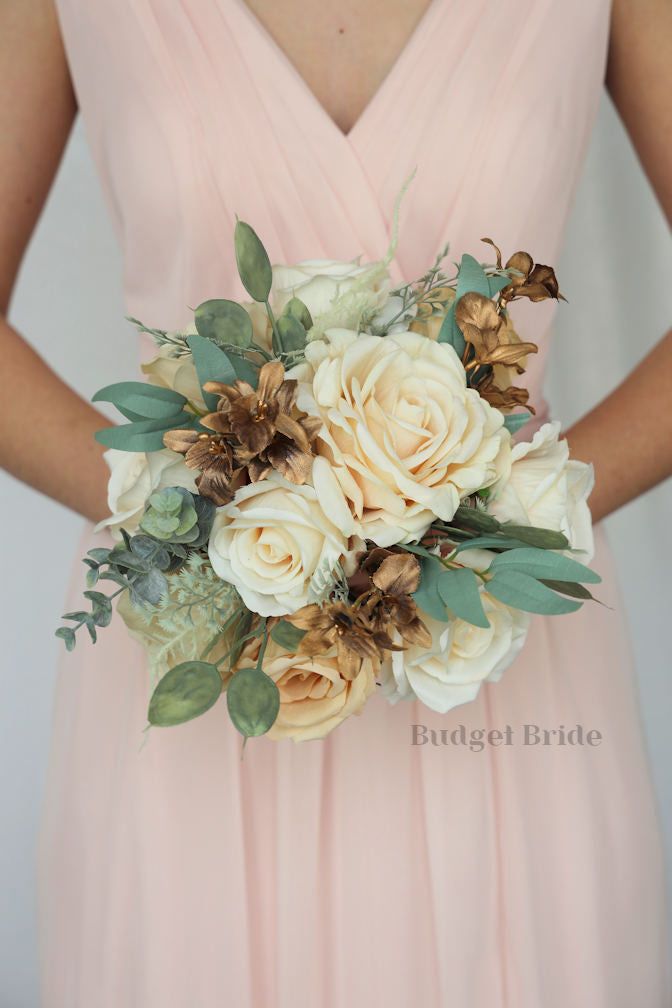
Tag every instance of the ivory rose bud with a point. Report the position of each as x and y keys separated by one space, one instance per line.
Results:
x=177 y=373
x=318 y=282
x=547 y=489
x=406 y=437
x=314 y=696
x=134 y=476
x=461 y=658
x=281 y=544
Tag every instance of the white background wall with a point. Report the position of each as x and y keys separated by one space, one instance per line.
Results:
x=69 y=304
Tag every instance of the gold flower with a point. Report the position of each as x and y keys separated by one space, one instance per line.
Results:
x=348 y=630
x=535 y=282
x=266 y=436
x=493 y=340
x=209 y=452
x=394 y=576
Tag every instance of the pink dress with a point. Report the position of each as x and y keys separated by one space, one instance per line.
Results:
x=362 y=870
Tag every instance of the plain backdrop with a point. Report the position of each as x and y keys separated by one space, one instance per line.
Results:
x=616 y=271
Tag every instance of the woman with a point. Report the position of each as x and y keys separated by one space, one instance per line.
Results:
x=361 y=870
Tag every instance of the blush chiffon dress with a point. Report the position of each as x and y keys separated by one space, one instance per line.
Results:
x=361 y=870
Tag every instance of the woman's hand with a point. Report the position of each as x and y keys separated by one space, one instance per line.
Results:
x=628 y=436
x=46 y=429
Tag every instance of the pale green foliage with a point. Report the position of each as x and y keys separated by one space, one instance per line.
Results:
x=187 y=619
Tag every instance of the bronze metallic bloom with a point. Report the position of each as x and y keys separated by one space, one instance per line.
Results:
x=346 y=628
x=493 y=340
x=211 y=453
x=394 y=576
x=265 y=435
x=535 y=282
x=506 y=398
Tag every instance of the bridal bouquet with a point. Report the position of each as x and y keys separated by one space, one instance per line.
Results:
x=318 y=493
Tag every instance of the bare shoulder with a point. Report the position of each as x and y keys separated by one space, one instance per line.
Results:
x=37 y=108
x=639 y=80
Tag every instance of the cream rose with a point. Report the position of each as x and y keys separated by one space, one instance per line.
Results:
x=314 y=697
x=280 y=544
x=177 y=373
x=134 y=476
x=407 y=439
x=548 y=489
x=460 y=659
x=319 y=282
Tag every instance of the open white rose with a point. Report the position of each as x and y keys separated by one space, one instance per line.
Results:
x=460 y=659
x=279 y=544
x=407 y=438
x=548 y=489
x=134 y=476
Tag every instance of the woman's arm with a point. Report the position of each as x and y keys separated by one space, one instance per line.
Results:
x=46 y=429
x=628 y=436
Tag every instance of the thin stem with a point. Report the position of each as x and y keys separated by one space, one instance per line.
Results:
x=274 y=324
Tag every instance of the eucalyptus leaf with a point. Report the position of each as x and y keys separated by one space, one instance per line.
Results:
x=224 y=322
x=212 y=364
x=149 y=402
x=245 y=370
x=540 y=563
x=292 y=335
x=497 y=284
x=67 y=635
x=287 y=635
x=299 y=310
x=514 y=421
x=184 y=693
x=489 y=542
x=451 y=333
x=427 y=597
x=570 y=588
x=521 y=591
x=150 y=587
x=142 y=435
x=539 y=537
x=254 y=266
x=471 y=277
x=476 y=519
x=253 y=700
x=459 y=591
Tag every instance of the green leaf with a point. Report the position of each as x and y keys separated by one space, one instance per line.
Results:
x=142 y=400
x=451 y=333
x=521 y=591
x=254 y=266
x=149 y=587
x=212 y=364
x=497 y=284
x=287 y=635
x=253 y=700
x=299 y=310
x=539 y=537
x=539 y=563
x=471 y=277
x=224 y=322
x=459 y=591
x=489 y=542
x=184 y=693
x=476 y=519
x=102 y=607
x=514 y=421
x=245 y=370
x=67 y=635
x=292 y=335
x=142 y=435
x=427 y=596
x=99 y=553
x=569 y=588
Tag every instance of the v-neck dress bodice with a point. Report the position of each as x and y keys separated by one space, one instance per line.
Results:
x=362 y=870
